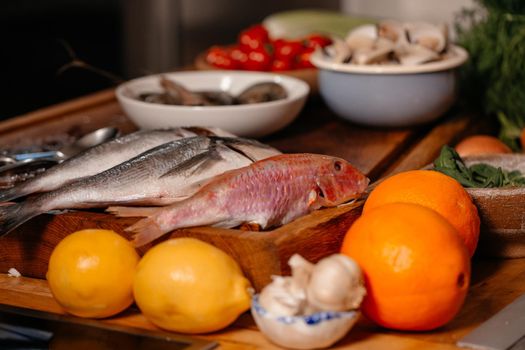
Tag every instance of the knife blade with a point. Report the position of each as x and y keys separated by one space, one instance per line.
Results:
x=501 y=331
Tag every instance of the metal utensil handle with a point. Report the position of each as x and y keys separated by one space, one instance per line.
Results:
x=22 y=163
x=39 y=155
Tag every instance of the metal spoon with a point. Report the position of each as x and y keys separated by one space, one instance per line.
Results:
x=87 y=141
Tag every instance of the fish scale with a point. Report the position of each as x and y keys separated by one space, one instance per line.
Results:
x=269 y=192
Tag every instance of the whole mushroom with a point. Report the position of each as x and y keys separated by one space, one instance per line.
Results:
x=336 y=284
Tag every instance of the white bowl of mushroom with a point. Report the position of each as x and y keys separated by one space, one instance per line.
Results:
x=313 y=308
x=391 y=74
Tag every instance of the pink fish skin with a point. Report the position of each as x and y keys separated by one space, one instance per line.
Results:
x=270 y=192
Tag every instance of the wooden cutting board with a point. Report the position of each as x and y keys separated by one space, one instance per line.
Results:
x=376 y=152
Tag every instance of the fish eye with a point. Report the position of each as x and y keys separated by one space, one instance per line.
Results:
x=338 y=166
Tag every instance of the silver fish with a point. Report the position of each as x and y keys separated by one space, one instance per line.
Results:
x=162 y=175
x=99 y=158
x=270 y=192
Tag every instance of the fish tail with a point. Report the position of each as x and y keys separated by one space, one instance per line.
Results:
x=13 y=215
x=145 y=231
x=125 y=212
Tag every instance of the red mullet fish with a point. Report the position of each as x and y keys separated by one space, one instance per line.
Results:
x=269 y=192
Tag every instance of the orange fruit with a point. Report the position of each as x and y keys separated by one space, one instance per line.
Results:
x=416 y=268
x=481 y=144
x=433 y=190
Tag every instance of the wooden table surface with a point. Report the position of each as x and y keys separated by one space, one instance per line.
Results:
x=377 y=152
x=495 y=283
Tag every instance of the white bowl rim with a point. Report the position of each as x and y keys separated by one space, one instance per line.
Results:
x=319 y=60
x=320 y=316
x=299 y=92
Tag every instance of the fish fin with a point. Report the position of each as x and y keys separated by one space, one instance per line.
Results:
x=125 y=212
x=13 y=215
x=240 y=151
x=195 y=164
x=145 y=231
x=10 y=194
x=228 y=223
x=240 y=141
x=242 y=147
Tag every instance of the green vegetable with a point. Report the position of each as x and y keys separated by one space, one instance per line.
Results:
x=510 y=132
x=298 y=23
x=494 y=76
x=477 y=175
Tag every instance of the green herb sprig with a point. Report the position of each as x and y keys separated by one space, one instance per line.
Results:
x=477 y=175
x=494 y=76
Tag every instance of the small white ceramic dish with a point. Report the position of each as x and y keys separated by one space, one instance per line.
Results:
x=315 y=331
x=389 y=95
x=251 y=120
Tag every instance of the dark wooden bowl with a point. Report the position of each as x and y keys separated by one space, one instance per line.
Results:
x=502 y=210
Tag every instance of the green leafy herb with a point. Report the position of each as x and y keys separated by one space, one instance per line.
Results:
x=509 y=132
x=494 y=76
x=477 y=175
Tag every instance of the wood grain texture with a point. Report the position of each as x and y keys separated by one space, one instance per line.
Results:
x=75 y=118
x=495 y=283
x=260 y=254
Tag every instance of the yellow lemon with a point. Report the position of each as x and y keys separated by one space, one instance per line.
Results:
x=91 y=272
x=189 y=286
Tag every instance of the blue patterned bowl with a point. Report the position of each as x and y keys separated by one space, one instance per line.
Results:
x=315 y=331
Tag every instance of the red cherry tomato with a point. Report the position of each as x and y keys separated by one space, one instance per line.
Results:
x=287 y=49
x=317 y=40
x=259 y=60
x=303 y=60
x=220 y=57
x=238 y=56
x=279 y=65
x=253 y=38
